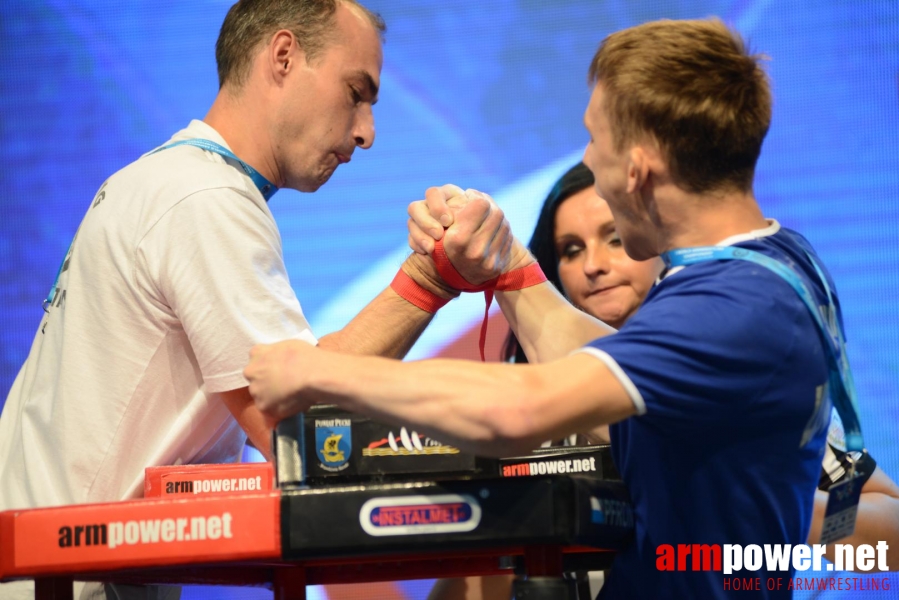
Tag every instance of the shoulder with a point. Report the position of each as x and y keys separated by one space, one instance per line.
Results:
x=732 y=304
x=186 y=183
x=716 y=288
x=186 y=170
x=169 y=173
x=746 y=282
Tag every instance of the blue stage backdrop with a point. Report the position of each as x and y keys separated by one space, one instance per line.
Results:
x=487 y=95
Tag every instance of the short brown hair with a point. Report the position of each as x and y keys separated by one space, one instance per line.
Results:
x=693 y=88
x=249 y=22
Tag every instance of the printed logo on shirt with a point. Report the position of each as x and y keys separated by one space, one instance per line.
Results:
x=408 y=444
x=333 y=443
x=57 y=298
x=415 y=515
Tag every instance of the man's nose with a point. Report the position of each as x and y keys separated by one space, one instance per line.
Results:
x=364 y=132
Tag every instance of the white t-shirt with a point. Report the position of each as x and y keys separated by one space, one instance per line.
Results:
x=175 y=273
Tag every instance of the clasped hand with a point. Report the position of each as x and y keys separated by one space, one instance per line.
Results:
x=476 y=236
x=477 y=240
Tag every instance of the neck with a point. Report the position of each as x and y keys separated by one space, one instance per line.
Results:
x=705 y=219
x=230 y=117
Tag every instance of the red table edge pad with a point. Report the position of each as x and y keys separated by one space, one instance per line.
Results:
x=205 y=480
x=101 y=537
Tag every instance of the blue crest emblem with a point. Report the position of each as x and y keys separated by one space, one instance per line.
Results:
x=333 y=446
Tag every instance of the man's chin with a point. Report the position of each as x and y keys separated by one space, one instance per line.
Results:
x=309 y=186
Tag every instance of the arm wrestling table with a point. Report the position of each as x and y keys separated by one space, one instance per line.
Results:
x=286 y=539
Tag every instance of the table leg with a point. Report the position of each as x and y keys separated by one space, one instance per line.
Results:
x=53 y=588
x=543 y=566
x=543 y=561
x=290 y=583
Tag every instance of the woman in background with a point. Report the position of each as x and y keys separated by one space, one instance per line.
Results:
x=578 y=249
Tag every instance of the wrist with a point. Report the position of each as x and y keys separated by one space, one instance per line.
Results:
x=519 y=257
x=422 y=270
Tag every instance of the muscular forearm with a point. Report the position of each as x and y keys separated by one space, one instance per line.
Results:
x=387 y=326
x=488 y=409
x=546 y=324
x=445 y=399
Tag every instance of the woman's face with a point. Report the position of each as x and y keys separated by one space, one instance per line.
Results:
x=598 y=276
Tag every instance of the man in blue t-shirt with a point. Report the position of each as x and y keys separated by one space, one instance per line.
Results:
x=726 y=368
x=716 y=390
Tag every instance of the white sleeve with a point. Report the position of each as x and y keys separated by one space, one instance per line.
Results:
x=216 y=261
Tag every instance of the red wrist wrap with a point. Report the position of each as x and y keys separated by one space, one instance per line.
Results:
x=408 y=289
x=516 y=279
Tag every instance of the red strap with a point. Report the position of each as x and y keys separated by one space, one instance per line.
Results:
x=451 y=276
x=519 y=279
x=516 y=279
x=408 y=289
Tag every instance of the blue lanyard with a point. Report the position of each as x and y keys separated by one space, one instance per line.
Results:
x=265 y=187
x=840 y=382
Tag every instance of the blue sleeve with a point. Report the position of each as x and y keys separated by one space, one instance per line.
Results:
x=711 y=343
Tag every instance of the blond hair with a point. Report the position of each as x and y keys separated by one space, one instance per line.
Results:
x=693 y=88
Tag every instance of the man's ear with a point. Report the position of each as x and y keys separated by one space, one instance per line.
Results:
x=284 y=54
x=637 y=169
x=644 y=163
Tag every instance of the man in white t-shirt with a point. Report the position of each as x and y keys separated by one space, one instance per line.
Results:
x=176 y=270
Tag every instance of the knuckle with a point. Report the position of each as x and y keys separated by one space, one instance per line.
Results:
x=480 y=202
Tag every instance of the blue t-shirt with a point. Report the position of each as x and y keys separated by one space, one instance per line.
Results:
x=728 y=373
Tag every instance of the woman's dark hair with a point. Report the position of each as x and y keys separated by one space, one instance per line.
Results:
x=543 y=245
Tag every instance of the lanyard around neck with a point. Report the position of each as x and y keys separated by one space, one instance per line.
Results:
x=840 y=382
x=265 y=187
